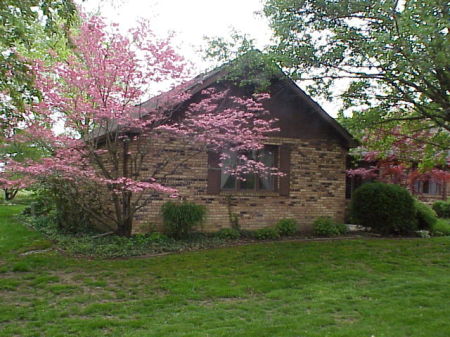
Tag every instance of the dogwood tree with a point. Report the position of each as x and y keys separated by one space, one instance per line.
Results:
x=109 y=138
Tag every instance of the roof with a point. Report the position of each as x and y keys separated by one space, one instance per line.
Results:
x=205 y=80
x=351 y=141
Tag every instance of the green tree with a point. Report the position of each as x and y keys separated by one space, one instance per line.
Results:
x=392 y=56
x=19 y=152
x=27 y=27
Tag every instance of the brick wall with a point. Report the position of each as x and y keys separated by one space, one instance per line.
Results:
x=317 y=187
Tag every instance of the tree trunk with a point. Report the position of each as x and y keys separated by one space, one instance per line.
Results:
x=10 y=193
x=125 y=226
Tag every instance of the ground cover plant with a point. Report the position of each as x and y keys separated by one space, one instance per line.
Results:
x=382 y=287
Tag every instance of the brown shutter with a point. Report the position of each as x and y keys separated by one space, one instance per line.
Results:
x=285 y=167
x=213 y=173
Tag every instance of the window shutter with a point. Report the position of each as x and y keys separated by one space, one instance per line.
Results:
x=214 y=173
x=285 y=167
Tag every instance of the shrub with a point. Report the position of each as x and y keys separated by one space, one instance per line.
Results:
x=441 y=228
x=180 y=218
x=342 y=228
x=268 y=233
x=228 y=234
x=426 y=217
x=71 y=218
x=247 y=234
x=157 y=237
x=42 y=204
x=325 y=226
x=385 y=208
x=442 y=208
x=69 y=214
x=286 y=227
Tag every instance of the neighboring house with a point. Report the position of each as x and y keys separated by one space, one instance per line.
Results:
x=311 y=149
x=431 y=190
x=427 y=187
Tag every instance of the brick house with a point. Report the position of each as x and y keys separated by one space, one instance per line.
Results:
x=311 y=149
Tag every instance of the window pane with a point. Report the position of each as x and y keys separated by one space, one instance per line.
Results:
x=425 y=186
x=434 y=188
x=266 y=156
x=249 y=183
x=227 y=181
x=266 y=183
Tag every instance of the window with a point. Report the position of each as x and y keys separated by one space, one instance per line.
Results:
x=253 y=182
x=428 y=187
x=275 y=156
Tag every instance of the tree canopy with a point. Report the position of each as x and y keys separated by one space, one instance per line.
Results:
x=27 y=27
x=389 y=57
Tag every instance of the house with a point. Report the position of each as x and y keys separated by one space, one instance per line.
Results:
x=428 y=187
x=310 y=149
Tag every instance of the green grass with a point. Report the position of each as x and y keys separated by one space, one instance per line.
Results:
x=382 y=288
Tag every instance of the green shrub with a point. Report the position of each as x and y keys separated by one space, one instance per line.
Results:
x=286 y=227
x=68 y=215
x=42 y=204
x=342 y=228
x=180 y=218
x=441 y=227
x=426 y=217
x=385 y=208
x=228 y=234
x=325 y=226
x=442 y=208
x=157 y=237
x=246 y=234
x=268 y=233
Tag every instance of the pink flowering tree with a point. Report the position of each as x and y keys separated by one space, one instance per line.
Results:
x=101 y=138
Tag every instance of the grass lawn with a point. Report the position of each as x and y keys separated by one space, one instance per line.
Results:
x=337 y=288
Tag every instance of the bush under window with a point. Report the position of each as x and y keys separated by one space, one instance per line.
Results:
x=287 y=227
x=228 y=234
x=268 y=233
x=181 y=217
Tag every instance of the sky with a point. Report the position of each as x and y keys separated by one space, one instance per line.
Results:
x=191 y=21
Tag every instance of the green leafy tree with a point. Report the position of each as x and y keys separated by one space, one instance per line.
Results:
x=27 y=28
x=391 y=56
x=245 y=65
x=19 y=152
